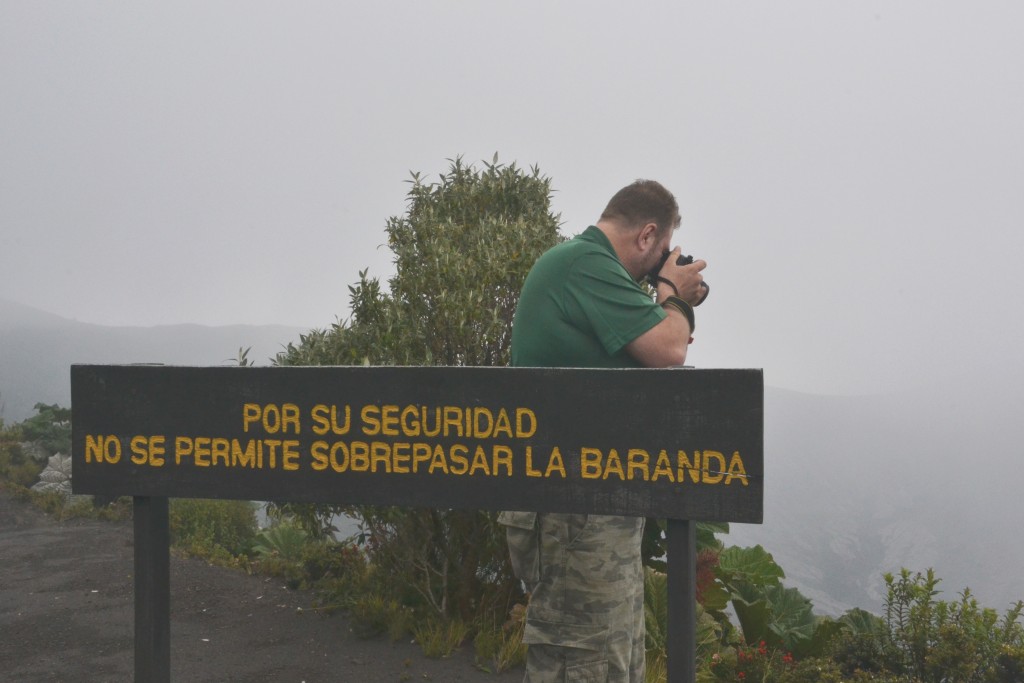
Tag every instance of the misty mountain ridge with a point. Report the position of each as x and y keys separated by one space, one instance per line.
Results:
x=855 y=486
x=38 y=348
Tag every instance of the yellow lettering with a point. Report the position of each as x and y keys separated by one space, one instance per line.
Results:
x=147 y=450
x=371 y=423
x=290 y=455
x=359 y=456
x=439 y=461
x=320 y=423
x=157 y=449
x=326 y=420
x=663 y=468
x=590 y=463
x=482 y=417
x=713 y=476
x=389 y=421
x=400 y=458
x=614 y=466
x=220 y=449
x=245 y=457
x=320 y=458
x=683 y=465
x=530 y=472
x=323 y=457
x=410 y=428
x=525 y=416
x=250 y=413
x=437 y=424
x=182 y=447
x=380 y=452
x=93 y=448
x=420 y=454
x=273 y=419
x=479 y=462
x=343 y=465
x=460 y=463
x=639 y=461
x=555 y=463
x=290 y=418
x=504 y=459
x=452 y=419
x=737 y=470
x=272 y=445
x=112 y=455
x=502 y=425
x=139 y=454
x=201 y=452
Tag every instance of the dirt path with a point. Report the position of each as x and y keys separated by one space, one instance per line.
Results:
x=66 y=614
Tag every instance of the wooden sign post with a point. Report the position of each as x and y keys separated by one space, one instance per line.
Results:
x=686 y=445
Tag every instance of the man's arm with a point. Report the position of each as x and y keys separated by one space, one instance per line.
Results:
x=665 y=344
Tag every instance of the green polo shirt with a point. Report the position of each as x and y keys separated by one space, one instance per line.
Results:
x=579 y=308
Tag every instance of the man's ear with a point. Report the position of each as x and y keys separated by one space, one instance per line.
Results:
x=648 y=236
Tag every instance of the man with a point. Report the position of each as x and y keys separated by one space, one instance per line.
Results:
x=582 y=306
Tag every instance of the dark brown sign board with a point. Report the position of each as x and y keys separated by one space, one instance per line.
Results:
x=681 y=444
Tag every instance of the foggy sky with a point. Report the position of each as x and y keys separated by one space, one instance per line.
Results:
x=851 y=171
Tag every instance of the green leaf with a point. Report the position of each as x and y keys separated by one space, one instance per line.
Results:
x=754 y=565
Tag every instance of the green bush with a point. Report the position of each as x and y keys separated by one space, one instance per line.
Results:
x=15 y=467
x=213 y=528
x=440 y=637
x=336 y=571
x=947 y=642
x=339 y=573
x=462 y=251
x=499 y=647
x=285 y=542
x=373 y=614
x=50 y=427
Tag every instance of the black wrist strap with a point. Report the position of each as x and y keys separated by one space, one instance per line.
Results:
x=681 y=306
x=667 y=282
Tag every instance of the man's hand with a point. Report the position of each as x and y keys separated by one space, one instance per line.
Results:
x=688 y=279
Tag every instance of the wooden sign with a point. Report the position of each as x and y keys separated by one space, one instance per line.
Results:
x=680 y=443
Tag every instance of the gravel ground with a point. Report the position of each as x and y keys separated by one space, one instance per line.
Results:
x=66 y=614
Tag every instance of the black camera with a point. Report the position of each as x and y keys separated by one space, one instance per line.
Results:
x=683 y=260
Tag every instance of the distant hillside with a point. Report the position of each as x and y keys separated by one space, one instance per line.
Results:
x=859 y=486
x=37 y=350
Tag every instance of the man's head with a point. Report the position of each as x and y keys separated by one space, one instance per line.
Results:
x=639 y=221
x=643 y=202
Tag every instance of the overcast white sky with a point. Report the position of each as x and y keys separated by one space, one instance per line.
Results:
x=853 y=171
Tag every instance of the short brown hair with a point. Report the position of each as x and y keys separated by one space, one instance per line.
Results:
x=642 y=202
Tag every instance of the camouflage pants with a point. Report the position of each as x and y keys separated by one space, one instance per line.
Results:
x=585 y=622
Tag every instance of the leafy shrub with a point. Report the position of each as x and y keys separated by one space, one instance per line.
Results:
x=21 y=474
x=461 y=251
x=50 y=427
x=374 y=614
x=284 y=542
x=939 y=642
x=440 y=637
x=15 y=466
x=708 y=634
x=212 y=528
x=1009 y=664
x=500 y=647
